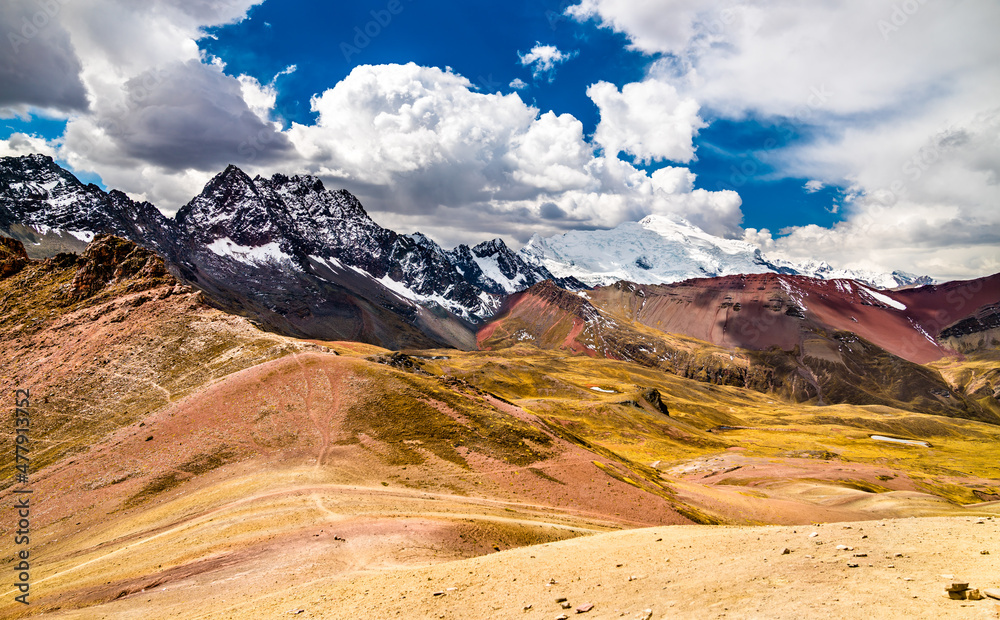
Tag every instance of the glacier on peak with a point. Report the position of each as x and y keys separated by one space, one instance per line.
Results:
x=661 y=250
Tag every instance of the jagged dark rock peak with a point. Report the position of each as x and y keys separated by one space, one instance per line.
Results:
x=494 y=267
x=37 y=197
x=303 y=259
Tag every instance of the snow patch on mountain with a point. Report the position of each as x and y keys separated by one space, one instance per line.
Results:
x=491 y=269
x=83 y=235
x=330 y=263
x=884 y=299
x=267 y=253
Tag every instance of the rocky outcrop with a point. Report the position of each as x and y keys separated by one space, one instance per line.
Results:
x=652 y=396
x=13 y=258
x=111 y=260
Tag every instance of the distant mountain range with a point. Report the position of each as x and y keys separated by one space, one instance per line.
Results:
x=305 y=261
x=800 y=338
x=662 y=250
x=309 y=261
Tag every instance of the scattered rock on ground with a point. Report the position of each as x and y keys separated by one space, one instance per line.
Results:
x=957 y=589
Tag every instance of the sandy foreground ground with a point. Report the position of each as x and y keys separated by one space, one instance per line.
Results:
x=902 y=568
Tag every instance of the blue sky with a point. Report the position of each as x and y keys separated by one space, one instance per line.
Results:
x=860 y=132
x=482 y=41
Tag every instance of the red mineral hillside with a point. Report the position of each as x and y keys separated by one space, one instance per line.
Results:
x=809 y=340
x=759 y=311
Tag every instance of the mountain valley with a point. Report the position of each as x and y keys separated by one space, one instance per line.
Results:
x=273 y=406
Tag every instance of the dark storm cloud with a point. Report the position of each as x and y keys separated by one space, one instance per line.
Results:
x=191 y=115
x=551 y=211
x=38 y=65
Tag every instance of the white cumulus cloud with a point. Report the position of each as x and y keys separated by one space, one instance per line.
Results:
x=897 y=100
x=813 y=186
x=543 y=60
x=425 y=150
x=648 y=120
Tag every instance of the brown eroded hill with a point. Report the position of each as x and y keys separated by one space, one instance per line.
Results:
x=105 y=338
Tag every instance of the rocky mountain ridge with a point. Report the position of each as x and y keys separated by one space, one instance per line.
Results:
x=275 y=246
x=308 y=261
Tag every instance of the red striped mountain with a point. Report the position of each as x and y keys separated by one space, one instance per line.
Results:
x=760 y=311
x=819 y=341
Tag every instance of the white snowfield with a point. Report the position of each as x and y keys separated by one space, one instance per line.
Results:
x=663 y=250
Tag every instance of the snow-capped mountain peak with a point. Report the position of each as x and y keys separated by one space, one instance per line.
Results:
x=662 y=249
x=230 y=206
x=655 y=250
